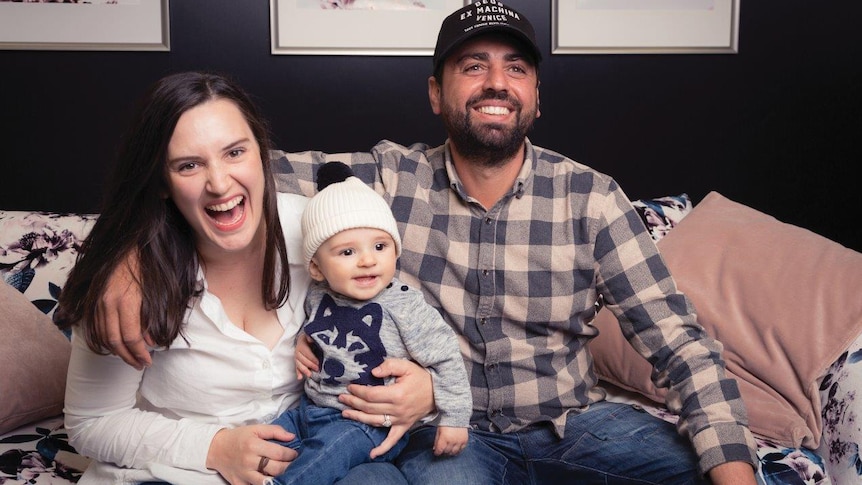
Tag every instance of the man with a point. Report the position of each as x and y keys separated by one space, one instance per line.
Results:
x=514 y=244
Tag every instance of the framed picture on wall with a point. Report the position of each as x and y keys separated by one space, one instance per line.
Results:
x=98 y=25
x=357 y=27
x=644 y=26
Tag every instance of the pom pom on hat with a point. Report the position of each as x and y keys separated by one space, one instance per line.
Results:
x=343 y=202
x=331 y=173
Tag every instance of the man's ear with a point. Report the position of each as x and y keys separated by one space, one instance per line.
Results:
x=434 y=94
x=538 y=102
x=314 y=271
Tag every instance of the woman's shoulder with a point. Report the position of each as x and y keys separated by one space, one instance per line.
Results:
x=291 y=204
x=290 y=207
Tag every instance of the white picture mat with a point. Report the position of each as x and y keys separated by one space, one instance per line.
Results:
x=140 y=26
x=577 y=29
x=297 y=30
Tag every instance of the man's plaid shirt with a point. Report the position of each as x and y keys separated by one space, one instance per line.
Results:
x=519 y=282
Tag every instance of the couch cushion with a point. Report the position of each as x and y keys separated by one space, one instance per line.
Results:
x=37 y=251
x=662 y=214
x=34 y=357
x=783 y=301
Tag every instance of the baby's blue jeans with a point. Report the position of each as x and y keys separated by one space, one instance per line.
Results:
x=330 y=445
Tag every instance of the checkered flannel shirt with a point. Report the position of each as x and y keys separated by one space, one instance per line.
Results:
x=519 y=282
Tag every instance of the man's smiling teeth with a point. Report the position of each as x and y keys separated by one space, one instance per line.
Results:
x=226 y=206
x=493 y=110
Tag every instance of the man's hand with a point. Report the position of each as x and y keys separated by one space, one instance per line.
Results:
x=408 y=400
x=732 y=473
x=118 y=316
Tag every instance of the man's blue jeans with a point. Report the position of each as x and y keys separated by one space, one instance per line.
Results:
x=330 y=445
x=611 y=443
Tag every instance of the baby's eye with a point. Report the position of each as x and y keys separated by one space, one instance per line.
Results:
x=380 y=246
x=347 y=252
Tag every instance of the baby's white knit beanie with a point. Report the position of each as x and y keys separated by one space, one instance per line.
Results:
x=343 y=202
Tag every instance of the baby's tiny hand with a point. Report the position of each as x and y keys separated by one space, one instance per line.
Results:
x=450 y=441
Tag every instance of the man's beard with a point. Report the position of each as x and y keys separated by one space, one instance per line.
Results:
x=491 y=144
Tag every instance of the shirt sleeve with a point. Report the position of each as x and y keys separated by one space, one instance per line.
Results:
x=661 y=324
x=432 y=343
x=296 y=172
x=103 y=423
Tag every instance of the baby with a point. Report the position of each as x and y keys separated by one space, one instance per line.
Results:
x=360 y=315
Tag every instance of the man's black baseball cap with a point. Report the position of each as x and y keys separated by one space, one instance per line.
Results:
x=483 y=17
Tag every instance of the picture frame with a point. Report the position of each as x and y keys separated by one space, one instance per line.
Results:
x=299 y=29
x=645 y=26
x=139 y=25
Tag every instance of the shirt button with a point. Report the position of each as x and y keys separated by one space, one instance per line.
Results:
x=488 y=220
x=483 y=321
x=485 y=272
x=265 y=364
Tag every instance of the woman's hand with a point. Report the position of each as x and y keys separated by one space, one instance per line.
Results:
x=408 y=400
x=236 y=453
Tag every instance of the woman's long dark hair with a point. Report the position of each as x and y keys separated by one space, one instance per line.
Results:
x=137 y=218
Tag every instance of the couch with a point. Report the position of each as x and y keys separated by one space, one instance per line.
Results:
x=784 y=302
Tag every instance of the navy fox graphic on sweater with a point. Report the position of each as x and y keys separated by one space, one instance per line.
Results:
x=353 y=337
x=347 y=342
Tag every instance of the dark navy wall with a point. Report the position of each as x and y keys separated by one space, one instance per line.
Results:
x=777 y=126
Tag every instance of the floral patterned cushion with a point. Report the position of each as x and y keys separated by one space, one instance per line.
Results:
x=841 y=412
x=37 y=250
x=40 y=454
x=662 y=214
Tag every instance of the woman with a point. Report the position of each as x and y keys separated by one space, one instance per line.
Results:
x=223 y=284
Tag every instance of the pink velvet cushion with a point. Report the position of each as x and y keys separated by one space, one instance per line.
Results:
x=784 y=302
x=34 y=356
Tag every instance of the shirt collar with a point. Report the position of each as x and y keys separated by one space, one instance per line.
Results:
x=518 y=188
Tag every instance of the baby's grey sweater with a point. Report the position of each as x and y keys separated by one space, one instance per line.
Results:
x=355 y=336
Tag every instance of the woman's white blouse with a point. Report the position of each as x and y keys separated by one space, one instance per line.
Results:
x=157 y=424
